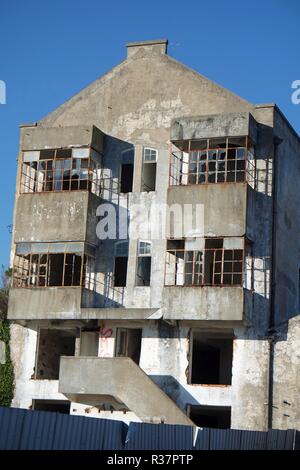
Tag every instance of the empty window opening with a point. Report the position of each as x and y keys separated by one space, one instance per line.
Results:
x=121 y=262
x=149 y=170
x=49 y=269
x=61 y=170
x=52 y=344
x=210 y=161
x=210 y=261
x=211 y=416
x=128 y=343
x=55 y=406
x=143 y=271
x=126 y=177
x=211 y=359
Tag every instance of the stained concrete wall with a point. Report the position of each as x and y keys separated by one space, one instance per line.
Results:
x=141 y=95
x=204 y=303
x=165 y=358
x=287 y=221
x=134 y=104
x=48 y=302
x=52 y=217
x=205 y=127
x=225 y=206
x=23 y=355
x=38 y=138
x=286 y=387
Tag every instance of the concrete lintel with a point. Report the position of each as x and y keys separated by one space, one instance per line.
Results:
x=120 y=313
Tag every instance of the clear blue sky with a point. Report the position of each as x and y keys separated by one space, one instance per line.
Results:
x=51 y=49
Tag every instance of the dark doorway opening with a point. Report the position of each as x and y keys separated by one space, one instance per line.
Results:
x=56 y=406
x=126 y=177
x=120 y=274
x=211 y=362
x=52 y=344
x=211 y=416
x=128 y=343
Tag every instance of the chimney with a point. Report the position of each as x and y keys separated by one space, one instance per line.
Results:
x=147 y=48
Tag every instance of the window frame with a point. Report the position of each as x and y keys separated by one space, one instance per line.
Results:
x=204 y=251
x=177 y=163
x=93 y=170
x=143 y=255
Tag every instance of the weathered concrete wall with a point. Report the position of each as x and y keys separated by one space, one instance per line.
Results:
x=38 y=138
x=260 y=218
x=204 y=303
x=205 y=127
x=134 y=104
x=48 y=302
x=286 y=386
x=250 y=384
x=224 y=206
x=52 y=217
x=137 y=98
x=23 y=348
x=103 y=376
x=287 y=221
x=165 y=357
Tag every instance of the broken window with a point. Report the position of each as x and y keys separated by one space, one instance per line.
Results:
x=128 y=343
x=210 y=161
x=43 y=264
x=149 y=169
x=56 y=406
x=121 y=261
x=210 y=416
x=209 y=261
x=61 y=170
x=52 y=344
x=126 y=177
x=143 y=271
x=211 y=358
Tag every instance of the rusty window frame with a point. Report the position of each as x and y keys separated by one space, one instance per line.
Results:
x=208 y=170
x=226 y=260
x=23 y=276
x=30 y=183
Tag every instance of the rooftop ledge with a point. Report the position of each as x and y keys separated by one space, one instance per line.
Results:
x=147 y=43
x=152 y=47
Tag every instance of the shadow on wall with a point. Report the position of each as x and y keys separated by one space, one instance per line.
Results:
x=174 y=390
x=118 y=162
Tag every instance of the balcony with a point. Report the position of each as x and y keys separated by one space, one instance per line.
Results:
x=53 y=217
x=60 y=174
x=205 y=303
x=205 y=279
x=117 y=379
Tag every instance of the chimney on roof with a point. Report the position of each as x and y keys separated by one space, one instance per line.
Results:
x=147 y=48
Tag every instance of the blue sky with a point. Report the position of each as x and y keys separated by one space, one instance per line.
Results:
x=51 y=49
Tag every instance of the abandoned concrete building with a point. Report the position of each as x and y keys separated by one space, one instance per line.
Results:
x=200 y=329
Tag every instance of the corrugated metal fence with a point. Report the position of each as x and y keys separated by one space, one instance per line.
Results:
x=42 y=430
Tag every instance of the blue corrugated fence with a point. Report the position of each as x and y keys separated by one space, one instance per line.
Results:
x=42 y=430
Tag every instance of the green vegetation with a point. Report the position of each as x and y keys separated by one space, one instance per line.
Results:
x=6 y=370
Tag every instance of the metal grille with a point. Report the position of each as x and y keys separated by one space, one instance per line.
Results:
x=211 y=161
x=46 y=270
x=211 y=266
x=58 y=170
